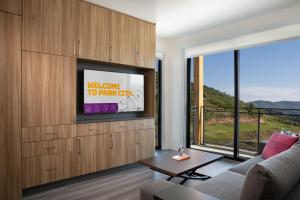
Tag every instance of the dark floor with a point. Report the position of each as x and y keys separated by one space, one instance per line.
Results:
x=115 y=184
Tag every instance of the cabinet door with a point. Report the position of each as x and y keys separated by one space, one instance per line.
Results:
x=10 y=106
x=146 y=50
x=123 y=39
x=147 y=144
x=12 y=6
x=15 y=6
x=48 y=89
x=45 y=169
x=124 y=148
x=93 y=32
x=4 y=5
x=94 y=153
x=119 y=149
x=49 y=26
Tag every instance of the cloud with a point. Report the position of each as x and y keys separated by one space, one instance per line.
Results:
x=270 y=94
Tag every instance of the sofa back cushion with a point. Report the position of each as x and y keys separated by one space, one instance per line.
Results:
x=277 y=144
x=273 y=178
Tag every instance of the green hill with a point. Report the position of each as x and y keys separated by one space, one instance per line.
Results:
x=218 y=126
x=216 y=99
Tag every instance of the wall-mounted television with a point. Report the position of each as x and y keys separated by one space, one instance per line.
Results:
x=112 y=92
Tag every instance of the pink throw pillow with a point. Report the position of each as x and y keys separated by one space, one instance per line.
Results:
x=277 y=144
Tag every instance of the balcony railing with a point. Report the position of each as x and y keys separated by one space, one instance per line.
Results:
x=256 y=125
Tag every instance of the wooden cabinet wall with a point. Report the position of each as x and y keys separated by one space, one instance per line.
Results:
x=132 y=41
x=38 y=129
x=85 y=148
x=11 y=6
x=48 y=89
x=93 y=32
x=49 y=26
x=48 y=154
x=10 y=106
x=123 y=39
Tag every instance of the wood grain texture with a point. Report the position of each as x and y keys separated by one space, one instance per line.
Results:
x=48 y=89
x=15 y=6
x=147 y=143
x=93 y=129
x=48 y=168
x=150 y=90
x=46 y=133
x=4 y=5
x=93 y=32
x=49 y=26
x=94 y=153
x=147 y=41
x=42 y=148
x=123 y=39
x=10 y=106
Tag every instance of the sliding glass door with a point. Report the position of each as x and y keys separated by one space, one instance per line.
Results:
x=270 y=87
x=210 y=102
x=237 y=99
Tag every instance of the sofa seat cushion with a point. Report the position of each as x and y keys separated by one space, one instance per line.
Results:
x=225 y=186
x=245 y=166
x=273 y=178
x=147 y=192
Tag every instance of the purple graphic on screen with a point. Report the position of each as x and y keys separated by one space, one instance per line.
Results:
x=90 y=108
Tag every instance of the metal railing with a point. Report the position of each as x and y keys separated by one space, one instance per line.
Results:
x=256 y=125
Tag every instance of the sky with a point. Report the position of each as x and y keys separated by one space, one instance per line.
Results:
x=270 y=72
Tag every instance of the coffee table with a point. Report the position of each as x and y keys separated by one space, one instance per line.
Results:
x=186 y=169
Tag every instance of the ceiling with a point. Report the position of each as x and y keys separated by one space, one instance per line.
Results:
x=176 y=18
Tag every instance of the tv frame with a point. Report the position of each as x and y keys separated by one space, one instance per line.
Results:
x=109 y=67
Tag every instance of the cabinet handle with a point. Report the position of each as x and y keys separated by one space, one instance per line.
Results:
x=79 y=146
x=50 y=148
x=112 y=142
x=74 y=113
x=74 y=47
x=51 y=169
x=78 y=48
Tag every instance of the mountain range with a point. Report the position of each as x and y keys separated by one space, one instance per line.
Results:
x=217 y=99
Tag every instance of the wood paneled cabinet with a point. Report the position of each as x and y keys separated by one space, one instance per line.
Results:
x=146 y=143
x=49 y=26
x=48 y=154
x=48 y=168
x=132 y=41
x=48 y=89
x=93 y=32
x=146 y=46
x=12 y=6
x=10 y=106
x=94 y=153
x=123 y=39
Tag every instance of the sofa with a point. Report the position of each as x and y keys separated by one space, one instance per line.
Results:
x=275 y=178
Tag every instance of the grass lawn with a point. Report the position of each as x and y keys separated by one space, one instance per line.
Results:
x=222 y=134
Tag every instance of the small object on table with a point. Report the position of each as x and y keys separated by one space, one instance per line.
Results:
x=181 y=157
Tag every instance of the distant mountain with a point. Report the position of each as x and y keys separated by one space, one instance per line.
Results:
x=214 y=98
x=279 y=105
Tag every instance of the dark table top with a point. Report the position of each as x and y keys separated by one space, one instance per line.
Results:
x=179 y=192
x=164 y=163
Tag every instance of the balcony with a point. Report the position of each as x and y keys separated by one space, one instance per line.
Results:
x=256 y=126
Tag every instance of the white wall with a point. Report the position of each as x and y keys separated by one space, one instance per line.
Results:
x=280 y=25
